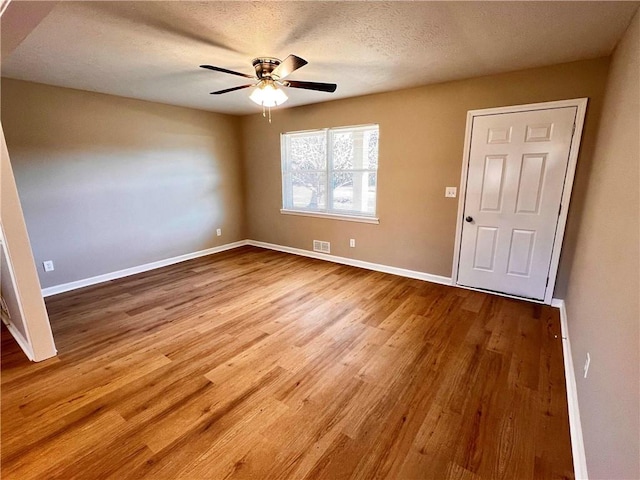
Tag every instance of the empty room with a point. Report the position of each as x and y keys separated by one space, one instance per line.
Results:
x=309 y=239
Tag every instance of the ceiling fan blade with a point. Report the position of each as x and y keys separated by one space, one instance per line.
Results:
x=227 y=90
x=322 y=87
x=288 y=66
x=224 y=70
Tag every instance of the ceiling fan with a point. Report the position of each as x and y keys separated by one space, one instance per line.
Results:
x=270 y=74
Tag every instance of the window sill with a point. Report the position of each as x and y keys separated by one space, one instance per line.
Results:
x=332 y=216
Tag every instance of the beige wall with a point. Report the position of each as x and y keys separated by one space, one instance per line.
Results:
x=108 y=183
x=421 y=143
x=604 y=286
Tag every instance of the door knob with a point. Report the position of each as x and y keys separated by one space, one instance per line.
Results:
x=469 y=219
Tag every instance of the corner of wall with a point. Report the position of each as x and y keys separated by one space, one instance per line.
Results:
x=18 y=248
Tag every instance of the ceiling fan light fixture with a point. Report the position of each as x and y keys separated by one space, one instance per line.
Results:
x=267 y=94
x=270 y=74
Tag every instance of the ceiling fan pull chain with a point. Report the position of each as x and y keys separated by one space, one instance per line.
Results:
x=264 y=114
x=269 y=114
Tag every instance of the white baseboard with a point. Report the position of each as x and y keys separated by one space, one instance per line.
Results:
x=355 y=263
x=577 y=442
x=66 y=287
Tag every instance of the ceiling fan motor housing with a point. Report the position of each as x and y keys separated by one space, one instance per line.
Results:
x=264 y=66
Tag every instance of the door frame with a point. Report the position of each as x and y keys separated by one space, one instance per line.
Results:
x=581 y=105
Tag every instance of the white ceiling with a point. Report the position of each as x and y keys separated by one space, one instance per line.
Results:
x=151 y=50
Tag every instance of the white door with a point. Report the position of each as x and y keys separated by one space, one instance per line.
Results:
x=515 y=179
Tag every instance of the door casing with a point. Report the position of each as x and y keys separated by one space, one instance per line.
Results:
x=581 y=105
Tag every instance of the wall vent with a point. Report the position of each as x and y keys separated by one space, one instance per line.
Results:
x=320 y=246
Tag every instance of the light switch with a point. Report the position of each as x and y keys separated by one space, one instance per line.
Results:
x=451 y=192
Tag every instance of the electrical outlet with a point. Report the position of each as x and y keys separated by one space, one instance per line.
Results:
x=352 y=242
x=587 y=362
x=450 y=192
x=218 y=231
x=48 y=266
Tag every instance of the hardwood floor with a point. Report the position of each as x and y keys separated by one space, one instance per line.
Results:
x=258 y=364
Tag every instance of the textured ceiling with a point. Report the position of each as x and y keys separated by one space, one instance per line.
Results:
x=151 y=50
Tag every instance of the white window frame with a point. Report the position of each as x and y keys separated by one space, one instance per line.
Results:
x=327 y=212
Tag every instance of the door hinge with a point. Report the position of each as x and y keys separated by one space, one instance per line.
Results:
x=560 y=210
x=547 y=284
x=574 y=129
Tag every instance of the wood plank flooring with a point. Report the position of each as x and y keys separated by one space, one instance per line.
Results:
x=258 y=364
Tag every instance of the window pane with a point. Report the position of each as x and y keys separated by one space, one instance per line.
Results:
x=354 y=192
x=309 y=190
x=307 y=152
x=343 y=151
x=355 y=149
x=371 y=144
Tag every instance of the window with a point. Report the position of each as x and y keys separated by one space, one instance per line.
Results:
x=331 y=172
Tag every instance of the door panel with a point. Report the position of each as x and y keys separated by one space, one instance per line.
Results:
x=521 y=252
x=499 y=135
x=541 y=132
x=485 y=248
x=516 y=172
x=491 y=195
x=530 y=183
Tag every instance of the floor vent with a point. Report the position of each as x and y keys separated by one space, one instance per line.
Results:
x=319 y=246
